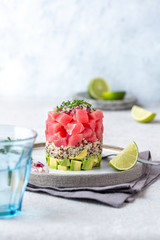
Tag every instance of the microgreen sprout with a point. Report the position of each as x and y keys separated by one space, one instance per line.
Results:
x=74 y=104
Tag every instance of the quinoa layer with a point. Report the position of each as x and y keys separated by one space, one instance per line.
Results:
x=93 y=149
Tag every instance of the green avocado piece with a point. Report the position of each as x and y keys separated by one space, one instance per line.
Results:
x=64 y=162
x=75 y=165
x=48 y=159
x=88 y=163
x=99 y=160
x=53 y=163
x=96 y=161
x=80 y=156
x=64 y=168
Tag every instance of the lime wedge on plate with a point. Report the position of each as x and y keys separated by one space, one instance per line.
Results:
x=142 y=115
x=96 y=87
x=113 y=95
x=126 y=159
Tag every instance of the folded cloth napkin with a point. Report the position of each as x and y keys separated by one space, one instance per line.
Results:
x=114 y=196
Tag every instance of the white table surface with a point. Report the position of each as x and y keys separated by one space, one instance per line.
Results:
x=47 y=217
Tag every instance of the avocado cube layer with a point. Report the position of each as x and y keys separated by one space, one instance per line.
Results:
x=64 y=168
x=65 y=162
x=88 y=164
x=98 y=164
x=53 y=163
x=73 y=165
x=48 y=159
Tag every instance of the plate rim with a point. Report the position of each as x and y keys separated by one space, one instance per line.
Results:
x=93 y=179
x=109 y=147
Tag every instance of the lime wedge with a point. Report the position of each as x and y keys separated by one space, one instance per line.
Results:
x=96 y=87
x=142 y=115
x=113 y=95
x=126 y=159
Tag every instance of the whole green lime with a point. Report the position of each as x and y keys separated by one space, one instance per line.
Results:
x=113 y=95
x=96 y=87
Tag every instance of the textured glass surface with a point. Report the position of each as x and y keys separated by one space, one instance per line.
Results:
x=15 y=162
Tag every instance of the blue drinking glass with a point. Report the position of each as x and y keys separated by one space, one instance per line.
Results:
x=15 y=164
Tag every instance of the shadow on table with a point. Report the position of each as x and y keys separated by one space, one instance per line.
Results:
x=156 y=121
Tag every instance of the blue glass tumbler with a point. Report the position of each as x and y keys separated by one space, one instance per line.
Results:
x=16 y=145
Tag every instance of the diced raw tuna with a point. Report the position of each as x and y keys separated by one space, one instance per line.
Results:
x=91 y=124
x=71 y=128
x=74 y=117
x=53 y=128
x=60 y=142
x=74 y=128
x=92 y=138
x=82 y=116
x=50 y=117
x=64 y=119
x=63 y=132
x=102 y=128
x=54 y=113
x=60 y=134
x=46 y=132
x=99 y=132
x=75 y=139
x=99 y=123
x=49 y=138
x=87 y=132
x=48 y=124
x=96 y=115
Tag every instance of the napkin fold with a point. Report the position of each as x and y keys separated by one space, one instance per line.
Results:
x=115 y=196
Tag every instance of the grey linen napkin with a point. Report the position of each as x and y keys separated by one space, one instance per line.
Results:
x=114 y=196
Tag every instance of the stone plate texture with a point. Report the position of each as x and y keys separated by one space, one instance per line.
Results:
x=103 y=176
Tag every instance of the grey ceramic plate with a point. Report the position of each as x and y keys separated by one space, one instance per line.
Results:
x=103 y=176
x=126 y=103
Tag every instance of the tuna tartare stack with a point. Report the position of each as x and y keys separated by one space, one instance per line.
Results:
x=74 y=134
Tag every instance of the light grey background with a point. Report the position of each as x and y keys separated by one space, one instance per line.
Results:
x=54 y=47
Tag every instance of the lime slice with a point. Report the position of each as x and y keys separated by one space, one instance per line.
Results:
x=96 y=87
x=142 y=115
x=126 y=159
x=113 y=95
